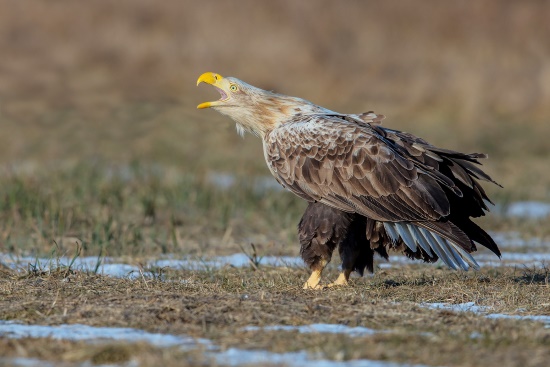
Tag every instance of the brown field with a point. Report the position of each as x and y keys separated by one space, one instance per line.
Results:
x=102 y=148
x=218 y=304
x=116 y=80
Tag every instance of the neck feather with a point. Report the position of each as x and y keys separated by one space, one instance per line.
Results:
x=269 y=112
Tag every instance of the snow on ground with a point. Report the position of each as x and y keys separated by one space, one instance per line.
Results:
x=239 y=357
x=485 y=311
x=514 y=239
x=320 y=328
x=78 y=332
x=259 y=184
x=229 y=357
x=534 y=259
x=460 y=307
x=528 y=210
x=110 y=267
x=236 y=260
x=534 y=252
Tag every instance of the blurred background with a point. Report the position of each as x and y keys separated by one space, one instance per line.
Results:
x=114 y=81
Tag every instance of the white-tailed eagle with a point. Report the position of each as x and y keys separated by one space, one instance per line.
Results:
x=370 y=188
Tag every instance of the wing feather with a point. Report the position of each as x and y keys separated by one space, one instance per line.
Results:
x=349 y=165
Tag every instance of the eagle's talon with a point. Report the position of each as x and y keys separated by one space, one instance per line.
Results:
x=342 y=280
x=315 y=279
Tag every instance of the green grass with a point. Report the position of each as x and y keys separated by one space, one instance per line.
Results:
x=141 y=210
x=138 y=211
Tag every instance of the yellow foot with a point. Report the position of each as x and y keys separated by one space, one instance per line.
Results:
x=341 y=280
x=313 y=281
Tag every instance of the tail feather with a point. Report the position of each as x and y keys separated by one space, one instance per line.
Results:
x=444 y=239
x=477 y=234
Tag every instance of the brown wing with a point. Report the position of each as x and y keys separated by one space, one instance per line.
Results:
x=354 y=168
x=460 y=167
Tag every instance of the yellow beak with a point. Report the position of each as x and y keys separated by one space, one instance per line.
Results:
x=212 y=79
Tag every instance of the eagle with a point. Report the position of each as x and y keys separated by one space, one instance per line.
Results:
x=370 y=188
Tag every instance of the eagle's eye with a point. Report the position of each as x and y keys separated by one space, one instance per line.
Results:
x=233 y=88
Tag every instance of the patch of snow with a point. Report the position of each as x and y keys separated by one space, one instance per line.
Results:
x=222 y=181
x=259 y=184
x=545 y=319
x=460 y=307
x=517 y=257
x=319 y=328
x=514 y=239
x=476 y=335
x=108 y=266
x=14 y=330
x=236 y=260
x=395 y=261
x=229 y=357
x=118 y=270
x=531 y=257
x=484 y=310
x=528 y=210
x=536 y=259
x=239 y=357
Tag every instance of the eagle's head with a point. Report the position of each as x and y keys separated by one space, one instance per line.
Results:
x=253 y=109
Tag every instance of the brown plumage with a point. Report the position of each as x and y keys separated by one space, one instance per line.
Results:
x=370 y=188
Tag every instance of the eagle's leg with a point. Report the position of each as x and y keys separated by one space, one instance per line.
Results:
x=341 y=280
x=320 y=231
x=315 y=277
x=354 y=250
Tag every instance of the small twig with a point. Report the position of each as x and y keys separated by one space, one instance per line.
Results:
x=143 y=276
x=252 y=258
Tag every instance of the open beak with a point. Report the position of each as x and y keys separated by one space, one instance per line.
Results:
x=219 y=83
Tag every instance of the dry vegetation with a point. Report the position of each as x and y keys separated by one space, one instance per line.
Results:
x=101 y=145
x=116 y=80
x=218 y=304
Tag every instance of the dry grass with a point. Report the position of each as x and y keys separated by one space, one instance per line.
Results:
x=116 y=80
x=218 y=304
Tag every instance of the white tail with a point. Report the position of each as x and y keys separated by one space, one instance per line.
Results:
x=449 y=252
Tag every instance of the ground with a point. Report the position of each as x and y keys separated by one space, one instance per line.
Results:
x=218 y=304
x=135 y=214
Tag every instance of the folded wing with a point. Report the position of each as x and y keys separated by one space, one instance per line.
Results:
x=385 y=175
